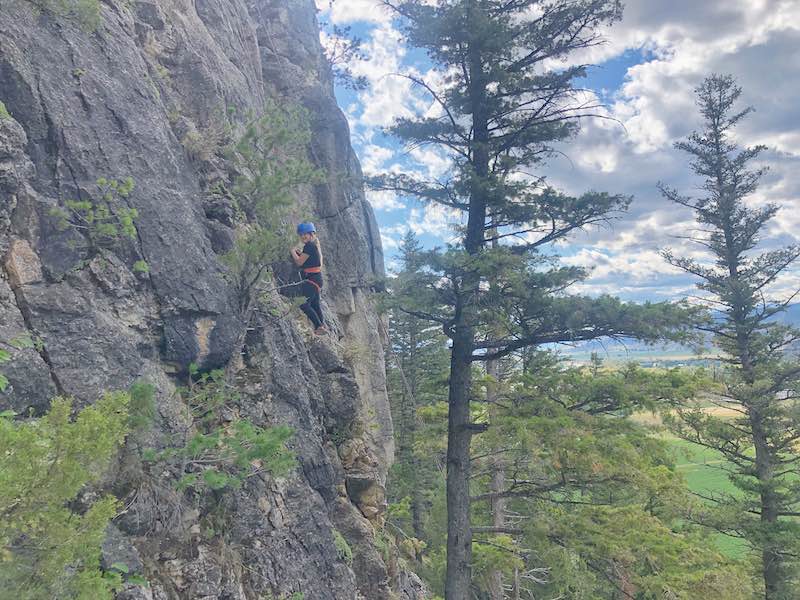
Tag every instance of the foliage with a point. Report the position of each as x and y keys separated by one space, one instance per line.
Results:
x=272 y=158
x=49 y=548
x=142 y=408
x=573 y=464
x=342 y=547
x=503 y=100
x=202 y=144
x=5 y=356
x=105 y=221
x=631 y=548
x=762 y=378
x=416 y=367
x=574 y=455
x=341 y=48
x=223 y=452
x=4 y=114
x=86 y=13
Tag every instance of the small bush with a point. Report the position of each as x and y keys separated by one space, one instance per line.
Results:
x=221 y=453
x=5 y=356
x=196 y=146
x=272 y=157
x=86 y=13
x=342 y=547
x=4 y=114
x=142 y=409
x=104 y=220
x=48 y=548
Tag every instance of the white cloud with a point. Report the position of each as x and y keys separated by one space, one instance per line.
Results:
x=375 y=157
x=656 y=108
x=343 y=12
x=384 y=200
x=389 y=243
x=435 y=220
x=758 y=41
x=432 y=161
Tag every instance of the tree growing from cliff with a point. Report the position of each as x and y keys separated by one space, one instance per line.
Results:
x=48 y=549
x=762 y=378
x=271 y=159
x=104 y=220
x=341 y=48
x=506 y=98
x=220 y=453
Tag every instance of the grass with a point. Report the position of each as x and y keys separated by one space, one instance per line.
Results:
x=704 y=471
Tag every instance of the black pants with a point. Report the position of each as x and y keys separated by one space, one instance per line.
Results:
x=311 y=306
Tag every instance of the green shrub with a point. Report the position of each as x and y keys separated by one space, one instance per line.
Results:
x=5 y=356
x=4 y=114
x=342 y=547
x=222 y=453
x=272 y=157
x=142 y=410
x=105 y=220
x=48 y=548
x=86 y=13
x=195 y=146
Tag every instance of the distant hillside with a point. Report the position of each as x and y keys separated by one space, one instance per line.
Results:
x=630 y=350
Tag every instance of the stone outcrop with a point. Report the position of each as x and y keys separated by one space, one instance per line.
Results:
x=147 y=95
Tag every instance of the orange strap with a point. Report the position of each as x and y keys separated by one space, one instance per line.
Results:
x=315 y=284
x=313 y=270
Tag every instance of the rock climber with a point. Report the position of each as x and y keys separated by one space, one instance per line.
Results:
x=309 y=259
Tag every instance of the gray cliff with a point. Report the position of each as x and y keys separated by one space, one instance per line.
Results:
x=143 y=96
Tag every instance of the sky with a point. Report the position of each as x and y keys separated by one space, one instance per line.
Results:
x=644 y=75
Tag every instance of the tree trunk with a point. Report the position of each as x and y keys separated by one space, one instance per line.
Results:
x=417 y=502
x=459 y=432
x=498 y=520
x=498 y=470
x=459 y=435
x=771 y=560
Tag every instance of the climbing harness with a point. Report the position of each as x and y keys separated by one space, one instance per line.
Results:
x=282 y=287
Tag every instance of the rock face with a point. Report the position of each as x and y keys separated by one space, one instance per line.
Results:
x=144 y=96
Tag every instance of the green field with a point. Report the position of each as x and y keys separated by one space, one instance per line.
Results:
x=704 y=472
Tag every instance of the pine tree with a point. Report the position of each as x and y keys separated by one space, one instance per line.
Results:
x=762 y=379
x=417 y=371
x=50 y=536
x=505 y=100
x=271 y=158
x=591 y=498
x=592 y=503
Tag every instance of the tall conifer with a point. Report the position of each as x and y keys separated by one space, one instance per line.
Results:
x=506 y=97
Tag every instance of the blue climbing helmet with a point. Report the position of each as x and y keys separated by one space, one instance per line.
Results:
x=306 y=228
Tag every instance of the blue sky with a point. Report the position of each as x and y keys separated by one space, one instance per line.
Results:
x=644 y=75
